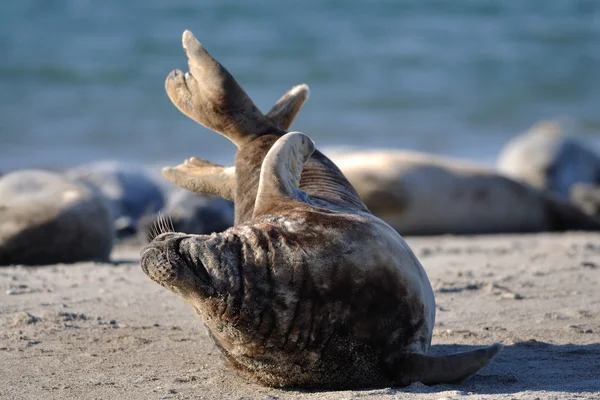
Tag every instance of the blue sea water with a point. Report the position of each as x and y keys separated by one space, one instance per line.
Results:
x=82 y=80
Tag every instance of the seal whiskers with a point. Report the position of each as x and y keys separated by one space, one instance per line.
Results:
x=162 y=224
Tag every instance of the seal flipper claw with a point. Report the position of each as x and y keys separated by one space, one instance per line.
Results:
x=450 y=368
x=281 y=170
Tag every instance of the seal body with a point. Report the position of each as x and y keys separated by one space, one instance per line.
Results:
x=424 y=194
x=46 y=219
x=296 y=299
x=308 y=288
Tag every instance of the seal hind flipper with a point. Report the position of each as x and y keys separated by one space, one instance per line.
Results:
x=450 y=368
x=281 y=171
x=284 y=111
x=205 y=177
x=209 y=95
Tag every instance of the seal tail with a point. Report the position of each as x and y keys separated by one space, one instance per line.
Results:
x=452 y=368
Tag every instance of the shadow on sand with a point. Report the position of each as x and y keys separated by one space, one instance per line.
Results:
x=527 y=366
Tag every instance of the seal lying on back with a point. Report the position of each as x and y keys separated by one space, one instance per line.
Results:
x=308 y=288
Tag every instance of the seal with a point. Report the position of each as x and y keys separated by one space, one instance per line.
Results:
x=546 y=158
x=587 y=197
x=423 y=194
x=426 y=194
x=47 y=219
x=308 y=289
x=130 y=190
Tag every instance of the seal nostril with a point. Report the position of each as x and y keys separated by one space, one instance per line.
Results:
x=156 y=264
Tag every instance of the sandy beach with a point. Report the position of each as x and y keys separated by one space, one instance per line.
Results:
x=105 y=331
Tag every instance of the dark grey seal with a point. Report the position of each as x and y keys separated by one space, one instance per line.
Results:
x=130 y=190
x=47 y=219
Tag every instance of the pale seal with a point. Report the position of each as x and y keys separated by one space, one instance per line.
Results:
x=422 y=194
x=47 y=219
x=308 y=288
x=587 y=197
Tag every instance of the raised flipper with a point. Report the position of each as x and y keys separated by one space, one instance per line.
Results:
x=451 y=368
x=204 y=177
x=281 y=171
x=283 y=113
x=201 y=176
x=209 y=95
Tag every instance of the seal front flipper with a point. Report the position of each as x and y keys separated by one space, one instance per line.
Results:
x=451 y=368
x=281 y=171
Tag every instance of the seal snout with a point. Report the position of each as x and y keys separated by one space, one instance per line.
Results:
x=160 y=260
x=157 y=267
